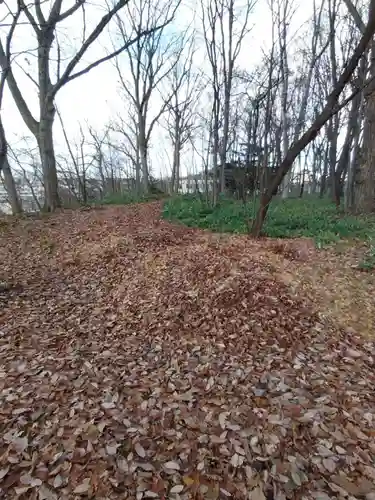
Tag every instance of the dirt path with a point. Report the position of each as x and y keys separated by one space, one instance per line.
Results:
x=144 y=360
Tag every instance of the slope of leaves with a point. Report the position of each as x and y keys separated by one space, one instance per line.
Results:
x=144 y=360
x=334 y=279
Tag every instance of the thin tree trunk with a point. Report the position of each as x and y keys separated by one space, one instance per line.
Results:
x=215 y=149
x=364 y=187
x=328 y=111
x=10 y=187
x=142 y=143
x=332 y=136
x=48 y=160
x=324 y=177
x=344 y=159
x=284 y=94
x=356 y=130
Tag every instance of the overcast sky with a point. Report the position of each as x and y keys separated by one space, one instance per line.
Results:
x=94 y=97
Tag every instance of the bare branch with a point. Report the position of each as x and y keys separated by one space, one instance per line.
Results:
x=356 y=16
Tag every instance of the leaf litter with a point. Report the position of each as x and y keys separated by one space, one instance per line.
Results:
x=140 y=359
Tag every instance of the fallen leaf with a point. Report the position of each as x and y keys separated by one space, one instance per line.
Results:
x=329 y=464
x=58 y=481
x=345 y=484
x=320 y=495
x=257 y=494
x=176 y=489
x=223 y=419
x=111 y=450
x=172 y=465
x=140 y=450
x=3 y=472
x=45 y=493
x=20 y=444
x=83 y=488
x=188 y=481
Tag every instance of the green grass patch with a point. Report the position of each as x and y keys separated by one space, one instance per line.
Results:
x=310 y=217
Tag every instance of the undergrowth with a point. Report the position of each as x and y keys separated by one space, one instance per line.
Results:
x=129 y=197
x=310 y=217
x=368 y=262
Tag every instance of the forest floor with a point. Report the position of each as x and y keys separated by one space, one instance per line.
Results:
x=141 y=359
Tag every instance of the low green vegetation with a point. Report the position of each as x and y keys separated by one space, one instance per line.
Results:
x=307 y=217
x=127 y=198
x=368 y=262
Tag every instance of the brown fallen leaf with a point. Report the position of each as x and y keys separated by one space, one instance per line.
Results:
x=345 y=484
x=3 y=472
x=83 y=488
x=176 y=489
x=172 y=465
x=257 y=494
x=140 y=450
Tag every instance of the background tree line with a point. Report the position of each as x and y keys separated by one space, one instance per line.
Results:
x=300 y=120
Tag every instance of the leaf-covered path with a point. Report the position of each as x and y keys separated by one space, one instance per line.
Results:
x=144 y=360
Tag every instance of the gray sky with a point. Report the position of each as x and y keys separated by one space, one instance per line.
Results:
x=94 y=97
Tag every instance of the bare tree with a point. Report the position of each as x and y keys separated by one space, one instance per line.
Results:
x=284 y=14
x=125 y=130
x=45 y=29
x=98 y=142
x=151 y=58
x=332 y=106
x=75 y=168
x=5 y=62
x=364 y=183
x=28 y=173
x=225 y=25
x=182 y=108
x=210 y=18
x=233 y=23
x=302 y=84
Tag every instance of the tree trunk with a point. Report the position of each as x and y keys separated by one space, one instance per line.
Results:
x=356 y=132
x=224 y=145
x=364 y=186
x=353 y=164
x=364 y=197
x=302 y=188
x=177 y=160
x=215 y=148
x=48 y=160
x=332 y=153
x=284 y=66
x=323 y=182
x=143 y=155
x=344 y=160
x=329 y=110
x=176 y=139
x=10 y=187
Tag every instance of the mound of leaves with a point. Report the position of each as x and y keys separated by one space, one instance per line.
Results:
x=144 y=360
